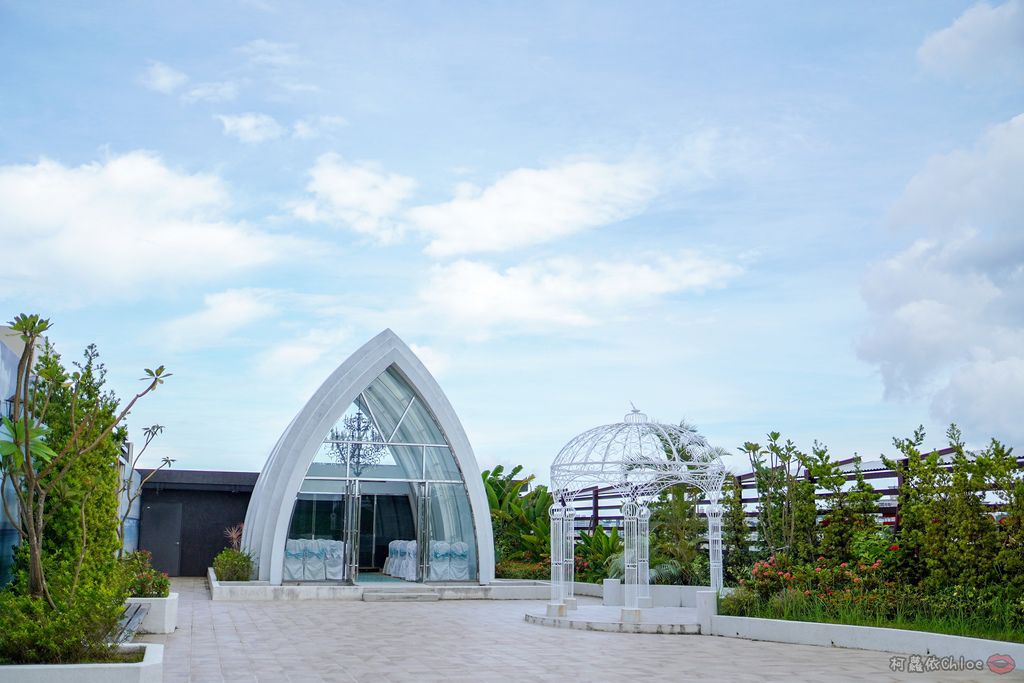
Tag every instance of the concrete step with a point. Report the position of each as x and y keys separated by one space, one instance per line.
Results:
x=399 y=596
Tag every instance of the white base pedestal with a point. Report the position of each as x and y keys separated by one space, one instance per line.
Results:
x=556 y=609
x=631 y=616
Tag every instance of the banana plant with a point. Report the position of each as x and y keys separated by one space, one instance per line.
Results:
x=595 y=550
x=534 y=523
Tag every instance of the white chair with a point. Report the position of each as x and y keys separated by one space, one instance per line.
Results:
x=396 y=562
x=459 y=566
x=440 y=561
x=315 y=569
x=411 y=560
x=293 y=560
x=392 y=557
x=334 y=561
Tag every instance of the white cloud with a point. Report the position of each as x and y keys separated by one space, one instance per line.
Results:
x=117 y=228
x=268 y=53
x=947 y=313
x=967 y=187
x=222 y=91
x=358 y=195
x=985 y=41
x=223 y=314
x=437 y=362
x=479 y=298
x=985 y=394
x=312 y=127
x=530 y=206
x=251 y=128
x=293 y=355
x=162 y=78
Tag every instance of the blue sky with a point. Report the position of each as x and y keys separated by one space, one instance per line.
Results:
x=797 y=216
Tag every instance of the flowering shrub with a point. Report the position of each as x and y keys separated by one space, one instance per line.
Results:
x=150 y=583
x=873 y=594
x=143 y=580
x=770 y=576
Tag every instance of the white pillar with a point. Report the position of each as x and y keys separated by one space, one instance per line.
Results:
x=643 y=554
x=557 y=605
x=569 y=557
x=630 y=560
x=630 y=517
x=715 y=541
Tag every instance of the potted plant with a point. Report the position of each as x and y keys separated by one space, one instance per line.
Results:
x=151 y=587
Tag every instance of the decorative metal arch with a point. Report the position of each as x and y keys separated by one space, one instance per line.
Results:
x=269 y=512
x=639 y=458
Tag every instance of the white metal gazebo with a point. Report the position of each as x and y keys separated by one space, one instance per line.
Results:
x=639 y=458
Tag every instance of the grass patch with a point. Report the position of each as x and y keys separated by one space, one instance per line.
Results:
x=115 y=657
x=795 y=606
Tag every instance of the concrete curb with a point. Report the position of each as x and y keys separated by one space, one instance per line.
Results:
x=855 y=637
x=149 y=670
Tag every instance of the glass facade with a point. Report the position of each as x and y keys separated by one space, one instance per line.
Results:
x=383 y=499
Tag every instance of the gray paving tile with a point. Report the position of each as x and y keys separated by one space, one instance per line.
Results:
x=465 y=640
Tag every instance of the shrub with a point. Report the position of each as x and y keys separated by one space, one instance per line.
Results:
x=78 y=631
x=233 y=565
x=873 y=595
x=512 y=569
x=144 y=581
x=150 y=583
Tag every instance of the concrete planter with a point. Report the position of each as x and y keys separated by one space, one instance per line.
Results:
x=661 y=596
x=162 y=616
x=844 y=635
x=149 y=670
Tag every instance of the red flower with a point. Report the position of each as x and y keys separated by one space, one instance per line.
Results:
x=894 y=546
x=843 y=565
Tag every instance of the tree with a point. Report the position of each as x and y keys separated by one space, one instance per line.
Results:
x=132 y=493
x=787 y=512
x=735 y=532
x=851 y=511
x=36 y=469
x=676 y=528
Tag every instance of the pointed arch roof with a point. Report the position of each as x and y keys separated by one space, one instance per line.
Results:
x=270 y=508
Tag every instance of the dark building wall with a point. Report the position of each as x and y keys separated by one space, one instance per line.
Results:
x=210 y=503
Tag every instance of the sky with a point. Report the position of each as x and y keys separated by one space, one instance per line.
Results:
x=804 y=217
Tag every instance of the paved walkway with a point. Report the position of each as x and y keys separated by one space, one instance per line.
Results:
x=474 y=640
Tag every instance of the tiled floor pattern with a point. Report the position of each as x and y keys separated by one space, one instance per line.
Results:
x=467 y=641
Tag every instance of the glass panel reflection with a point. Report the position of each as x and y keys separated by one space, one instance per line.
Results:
x=440 y=464
x=452 y=549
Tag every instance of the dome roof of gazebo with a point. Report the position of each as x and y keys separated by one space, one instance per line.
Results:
x=638 y=457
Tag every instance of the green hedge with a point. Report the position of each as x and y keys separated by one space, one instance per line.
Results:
x=511 y=569
x=233 y=565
